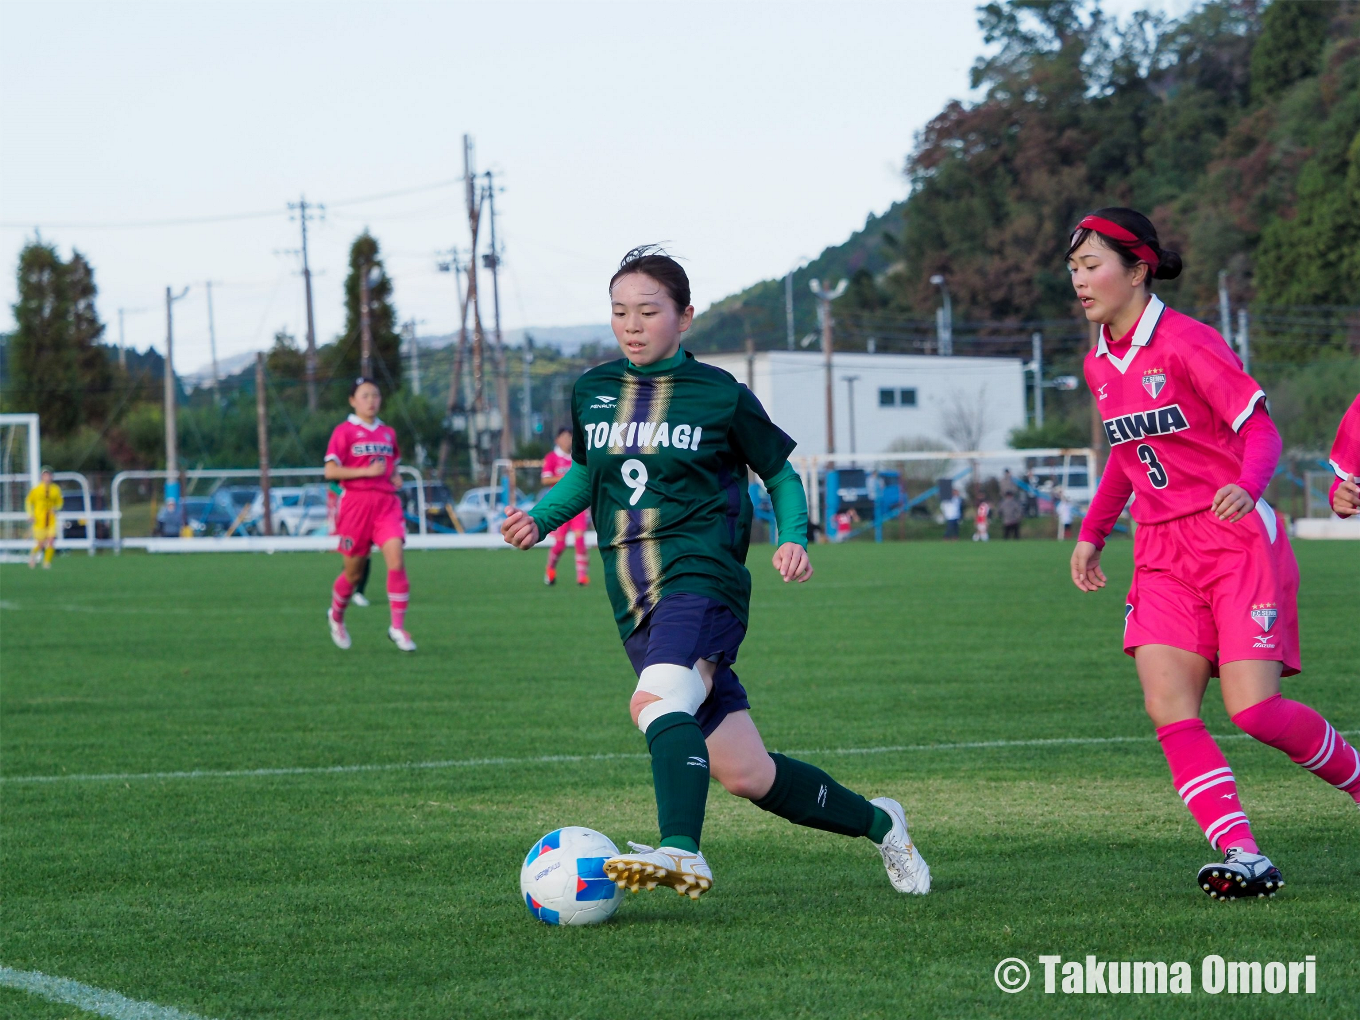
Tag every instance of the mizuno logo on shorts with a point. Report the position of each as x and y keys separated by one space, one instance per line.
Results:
x=1159 y=422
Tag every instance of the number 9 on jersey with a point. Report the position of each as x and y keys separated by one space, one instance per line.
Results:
x=635 y=477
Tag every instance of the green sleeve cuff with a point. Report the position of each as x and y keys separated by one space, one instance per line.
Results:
x=564 y=500
x=790 y=505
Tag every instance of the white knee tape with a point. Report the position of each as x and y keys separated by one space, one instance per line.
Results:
x=680 y=688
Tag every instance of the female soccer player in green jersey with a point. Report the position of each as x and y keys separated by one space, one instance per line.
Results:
x=660 y=449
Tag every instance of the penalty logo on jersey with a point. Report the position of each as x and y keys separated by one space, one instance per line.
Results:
x=1265 y=615
x=1153 y=382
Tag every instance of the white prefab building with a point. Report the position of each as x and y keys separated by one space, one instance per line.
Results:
x=950 y=401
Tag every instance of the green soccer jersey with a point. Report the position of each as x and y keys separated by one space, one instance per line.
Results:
x=666 y=448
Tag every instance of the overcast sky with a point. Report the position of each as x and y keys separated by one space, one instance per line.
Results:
x=745 y=135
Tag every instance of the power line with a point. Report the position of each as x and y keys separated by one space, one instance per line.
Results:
x=189 y=221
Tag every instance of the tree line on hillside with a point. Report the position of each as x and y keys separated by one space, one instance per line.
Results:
x=1236 y=128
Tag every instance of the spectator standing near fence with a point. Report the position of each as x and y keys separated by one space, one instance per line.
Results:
x=1011 y=513
x=952 y=509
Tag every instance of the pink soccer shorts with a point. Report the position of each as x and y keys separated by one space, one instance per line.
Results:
x=1224 y=591
x=577 y=524
x=368 y=519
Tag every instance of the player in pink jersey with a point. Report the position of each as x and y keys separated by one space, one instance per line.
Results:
x=364 y=457
x=556 y=464
x=1345 y=460
x=1215 y=582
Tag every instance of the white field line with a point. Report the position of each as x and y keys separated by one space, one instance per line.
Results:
x=559 y=759
x=87 y=997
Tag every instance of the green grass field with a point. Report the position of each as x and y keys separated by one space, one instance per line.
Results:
x=393 y=893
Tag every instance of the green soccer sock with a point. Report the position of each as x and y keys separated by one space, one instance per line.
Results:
x=806 y=795
x=680 y=774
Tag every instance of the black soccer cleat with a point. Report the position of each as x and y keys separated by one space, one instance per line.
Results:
x=1240 y=875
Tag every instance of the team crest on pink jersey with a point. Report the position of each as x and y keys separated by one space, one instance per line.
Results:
x=1153 y=381
x=1265 y=614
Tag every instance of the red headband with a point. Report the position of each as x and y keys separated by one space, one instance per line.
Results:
x=1127 y=238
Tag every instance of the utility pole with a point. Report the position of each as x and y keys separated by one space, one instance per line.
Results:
x=212 y=345
x=944 y=318
x=824 y=298
x=415 y=357
x=750 y=362
x=788 y=308
x=1243 y=340
x=262 y=434
x=365 y=324
x=300 y=207
x=850 y=381
x=1037 y=343
x=122 y=344
x=492 y=260
x=527 y=396
x=474 y=211
x=1224 y=307
x=172 y=491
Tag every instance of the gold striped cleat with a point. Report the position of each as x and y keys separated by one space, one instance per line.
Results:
x=647 y=867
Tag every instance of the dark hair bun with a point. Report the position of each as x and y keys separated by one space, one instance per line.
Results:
x=1170 y=266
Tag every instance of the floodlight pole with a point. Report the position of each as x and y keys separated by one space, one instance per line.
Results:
x=301 y=206
x=944 y=318
x=172 y=491
x=262 y=434
x=212 y=345
x=1037 y=341
x=365 y=326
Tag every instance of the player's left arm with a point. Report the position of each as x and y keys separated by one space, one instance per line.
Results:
x=766 y=447
x=1238 y=399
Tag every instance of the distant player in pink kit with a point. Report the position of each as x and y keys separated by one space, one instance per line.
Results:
x=556 y=464
x=1345 y=461
x=1215 y=580
x=364 y=457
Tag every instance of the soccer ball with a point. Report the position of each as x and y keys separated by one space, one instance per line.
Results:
x=563 y=879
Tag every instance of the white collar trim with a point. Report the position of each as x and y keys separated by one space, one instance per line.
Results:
x=354 y=419
x=1142 y=335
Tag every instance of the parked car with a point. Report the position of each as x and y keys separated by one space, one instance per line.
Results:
x=293 y=510
x=73 y=501
x=438 y=505
x=204 y=515
x=479 y=508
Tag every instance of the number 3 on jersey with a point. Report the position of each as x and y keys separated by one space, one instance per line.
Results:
x=635 y=477
x=1156 y=473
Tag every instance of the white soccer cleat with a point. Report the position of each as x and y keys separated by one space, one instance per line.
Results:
x=358 y=599
x=338 y=633
x=646 y=868
x=401 y=639
x=907 y=869
x=1241 y=875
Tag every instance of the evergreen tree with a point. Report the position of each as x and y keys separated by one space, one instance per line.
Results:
x=57 y=367
x=364 y=256
x=1290 y=46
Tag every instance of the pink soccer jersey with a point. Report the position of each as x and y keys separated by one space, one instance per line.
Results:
x=354 y=444
x=1345 y=459
x=1172 y=405
x=555 y=465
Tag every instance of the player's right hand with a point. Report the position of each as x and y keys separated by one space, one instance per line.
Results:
x=520 y=530
x=1346 y=501
x=376 y=469
x=1086 y=572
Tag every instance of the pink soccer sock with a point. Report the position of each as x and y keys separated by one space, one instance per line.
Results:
x=1306 y=737
x=341 y=592
x=558 y=547
x=1206 y=784
x=582 y=557
x=398 y=596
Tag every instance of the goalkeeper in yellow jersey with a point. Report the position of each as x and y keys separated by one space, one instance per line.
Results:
x=42 y=503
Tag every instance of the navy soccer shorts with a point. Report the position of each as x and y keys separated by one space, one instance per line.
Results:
x=682 y=629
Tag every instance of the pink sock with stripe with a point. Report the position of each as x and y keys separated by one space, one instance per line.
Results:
x=1307 y=738
x=341 y=592
x=1206 y=784
x=398 y=596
